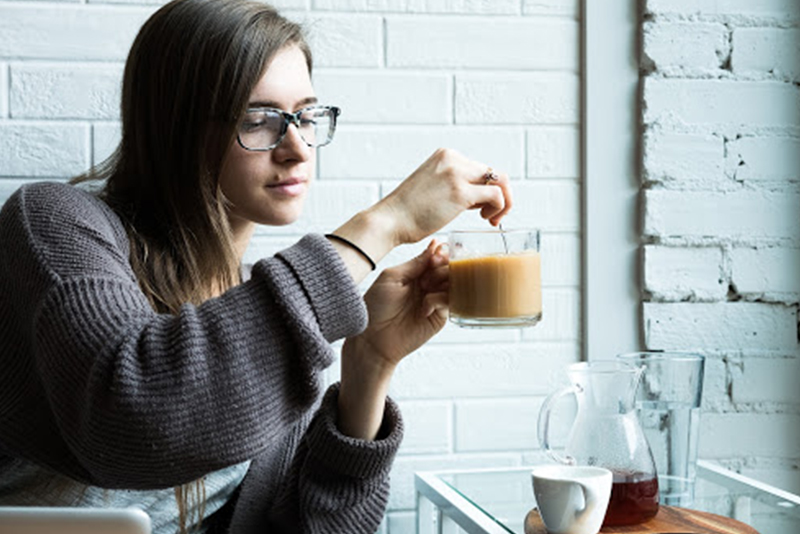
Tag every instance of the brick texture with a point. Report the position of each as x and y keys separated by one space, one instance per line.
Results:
x=685 y=160
x=720 y=208
x=3 y=90
x=678 y=273
x=729 y=325
x=495 y=7
x=743 y=214
x=718 y=103
x=455 y=42
x=65 y=91
x=766 y=50
x=43 y=149
x=69 y=32
x=686 y=45
x=787 y=10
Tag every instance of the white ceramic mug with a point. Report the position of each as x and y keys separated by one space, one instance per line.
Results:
x=572 y=499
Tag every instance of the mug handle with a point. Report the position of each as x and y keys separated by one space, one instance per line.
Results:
x=543 y=425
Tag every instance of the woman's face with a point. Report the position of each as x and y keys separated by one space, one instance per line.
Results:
x=270 y=187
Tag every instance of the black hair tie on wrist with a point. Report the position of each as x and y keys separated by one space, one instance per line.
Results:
x=353 y=246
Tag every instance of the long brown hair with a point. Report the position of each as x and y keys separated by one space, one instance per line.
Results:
x=187 y=81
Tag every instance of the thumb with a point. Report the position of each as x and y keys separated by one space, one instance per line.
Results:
x=414 y=268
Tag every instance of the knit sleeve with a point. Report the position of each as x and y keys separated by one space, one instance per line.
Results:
x=334 y=483
x=137 y=399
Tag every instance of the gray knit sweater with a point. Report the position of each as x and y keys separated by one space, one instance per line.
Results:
x=97 y=386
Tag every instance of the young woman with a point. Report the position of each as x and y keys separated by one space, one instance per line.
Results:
x=142 y=365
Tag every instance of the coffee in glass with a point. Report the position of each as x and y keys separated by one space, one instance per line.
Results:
x=495 y=278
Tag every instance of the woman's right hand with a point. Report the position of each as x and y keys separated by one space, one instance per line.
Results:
x=439 y=190
x=443 y=187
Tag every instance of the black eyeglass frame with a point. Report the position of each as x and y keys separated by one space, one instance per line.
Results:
x=293 y=118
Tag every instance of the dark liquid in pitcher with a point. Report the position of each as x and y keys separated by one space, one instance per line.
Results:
x=634 y=499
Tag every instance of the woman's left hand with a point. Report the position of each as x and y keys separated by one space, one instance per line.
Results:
x=407 y=306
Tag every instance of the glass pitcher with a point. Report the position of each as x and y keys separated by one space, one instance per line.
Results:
x=606 y=433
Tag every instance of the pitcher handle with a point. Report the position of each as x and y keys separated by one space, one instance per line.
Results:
x=543 y=425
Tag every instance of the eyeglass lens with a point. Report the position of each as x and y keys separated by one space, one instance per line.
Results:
x=263 y=129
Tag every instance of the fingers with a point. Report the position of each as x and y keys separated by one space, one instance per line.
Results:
x=438 y=191
x=505 y=187
x=493 y=196
x=436 y=279
x=481 y=183
x=440 y=253
x=435 y=303
x=418 y=265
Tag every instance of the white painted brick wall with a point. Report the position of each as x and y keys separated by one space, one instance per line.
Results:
x=787 y=10
x=476 y=370
x=766 y=50
x=720 y=104
x=496 y=80
x=417 y=97
x=3 y=90
x=75 y=91
x=748 y=434
x=563 y=320
x=551 y=152
x=344 y=40
x=45 y=149
x=728 y=325
x=763 y=159
x=105 y=138
x=482 y=424
x=766 y=270
x=684 y=159
x=372 y=153
x=564 y=269
x=744 y=214
x=677 y=273
x=539 y=98
x=687 y=45
x=69 y=32
x=721 y=217
x=569 y=8
x=766 y=380
x=551 y=205
x=428 y=427
x=496 y=7
x=470 y=42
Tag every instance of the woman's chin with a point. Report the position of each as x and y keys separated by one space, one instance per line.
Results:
x=279 y=219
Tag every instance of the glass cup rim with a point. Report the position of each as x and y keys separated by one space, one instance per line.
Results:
x=494 y=231
x=673 y=355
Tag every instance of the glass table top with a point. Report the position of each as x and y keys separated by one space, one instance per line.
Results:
x=504 y=497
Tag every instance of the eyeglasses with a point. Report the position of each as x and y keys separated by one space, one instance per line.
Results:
x=264 y=128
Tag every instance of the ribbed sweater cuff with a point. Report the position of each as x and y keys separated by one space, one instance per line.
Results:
x=336 y=300
x=349 y=456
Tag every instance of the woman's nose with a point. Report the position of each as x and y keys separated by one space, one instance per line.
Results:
x=292 y=146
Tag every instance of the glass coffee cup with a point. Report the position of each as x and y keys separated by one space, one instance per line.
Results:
x=495 y=278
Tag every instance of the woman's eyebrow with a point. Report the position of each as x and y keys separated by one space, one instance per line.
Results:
x=271 y=104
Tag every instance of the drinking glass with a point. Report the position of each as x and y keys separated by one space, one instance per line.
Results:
x=495 y=278
x=668 y=403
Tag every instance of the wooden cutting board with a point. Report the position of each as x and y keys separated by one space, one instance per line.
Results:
x=669 y=519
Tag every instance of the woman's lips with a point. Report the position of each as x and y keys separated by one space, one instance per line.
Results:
x=291 y=187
